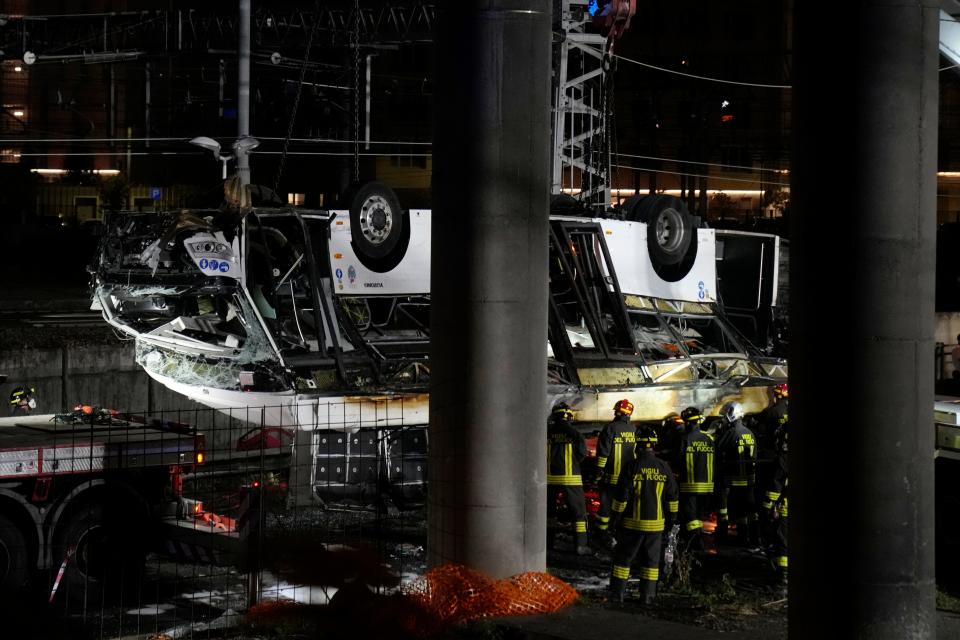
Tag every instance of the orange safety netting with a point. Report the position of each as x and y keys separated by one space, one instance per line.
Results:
x=443 y=597
x=454 y=593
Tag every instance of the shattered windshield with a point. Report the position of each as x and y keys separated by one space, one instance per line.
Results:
x=705 y=338
x=702 y=334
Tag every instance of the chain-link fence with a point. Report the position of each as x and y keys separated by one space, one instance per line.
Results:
x=202 y=523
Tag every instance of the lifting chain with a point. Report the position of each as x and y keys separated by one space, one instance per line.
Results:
x=296 y=100
x=608 y=133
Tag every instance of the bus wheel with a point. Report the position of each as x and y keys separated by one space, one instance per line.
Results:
x=670 y=227
x=376 y=220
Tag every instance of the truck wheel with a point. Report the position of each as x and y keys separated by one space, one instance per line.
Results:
x=670 y=227
x=13 y=557
x=376 y=220
x=106 y=557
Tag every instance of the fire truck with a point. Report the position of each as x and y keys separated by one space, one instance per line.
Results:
x=87 y=494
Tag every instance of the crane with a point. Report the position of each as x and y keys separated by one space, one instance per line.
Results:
x=589 y=30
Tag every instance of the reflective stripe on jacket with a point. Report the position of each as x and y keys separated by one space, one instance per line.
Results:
x=695 y=463
x=565 y=449
x=646 y=493
x=615 y=447
x=737 y=456
x=776 y=494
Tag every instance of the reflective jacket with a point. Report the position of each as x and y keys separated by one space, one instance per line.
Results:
x=695 y=462
x=737 y=456
x=646 y=494
x=775 y=415
x=565 y=449
x=776 y=494
x=615 y=447
x=771 y=419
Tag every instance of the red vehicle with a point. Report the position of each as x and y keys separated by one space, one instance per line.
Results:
x=88 y=494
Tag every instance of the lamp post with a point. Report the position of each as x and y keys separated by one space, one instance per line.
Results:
x=241 y=149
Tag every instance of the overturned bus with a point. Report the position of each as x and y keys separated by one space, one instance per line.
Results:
x=320 y=319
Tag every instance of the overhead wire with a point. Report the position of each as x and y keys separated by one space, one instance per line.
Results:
x=200 y=153
x=701 y=175
x=187 y=139
x=97 y=37
x=296 y=104
x=705 y=164
x=699 y=77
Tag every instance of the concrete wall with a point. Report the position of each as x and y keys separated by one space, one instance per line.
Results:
x=109 y=377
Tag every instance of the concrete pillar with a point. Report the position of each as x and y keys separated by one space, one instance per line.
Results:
x=491 y=179
x=865 y=103
x=243 y=87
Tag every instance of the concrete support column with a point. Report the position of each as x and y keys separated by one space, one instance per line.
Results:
x=243 y=87
x=862 y=266
x=491 y=180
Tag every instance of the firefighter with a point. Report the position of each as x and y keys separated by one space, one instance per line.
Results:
x=644 y=506
x=694 y=466
x=23 y=401
x=671 y=434
x=565 y=452
x=775 y=505
x=767 y=424
x=736 y=452
x=614 y=452
x=773 y=417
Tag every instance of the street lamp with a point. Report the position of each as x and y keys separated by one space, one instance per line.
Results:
x=242 y=147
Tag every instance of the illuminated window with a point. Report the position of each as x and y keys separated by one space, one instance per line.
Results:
x=296 y=199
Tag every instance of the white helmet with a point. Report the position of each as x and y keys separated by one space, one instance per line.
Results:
x=732 y=411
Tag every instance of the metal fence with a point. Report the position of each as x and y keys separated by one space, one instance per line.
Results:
x=195 y=523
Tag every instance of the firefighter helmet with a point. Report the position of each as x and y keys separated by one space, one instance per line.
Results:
x=691 y=416
x=781 y=391
x=732 y=411
x=623 y=407
x=646 y=437
x=672 y=421
x=23 y=397
x=562 y=411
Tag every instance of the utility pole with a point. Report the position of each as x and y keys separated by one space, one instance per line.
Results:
x=243 y=88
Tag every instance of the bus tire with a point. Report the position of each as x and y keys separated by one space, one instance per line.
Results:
x=376 y=221
x=670 y=228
